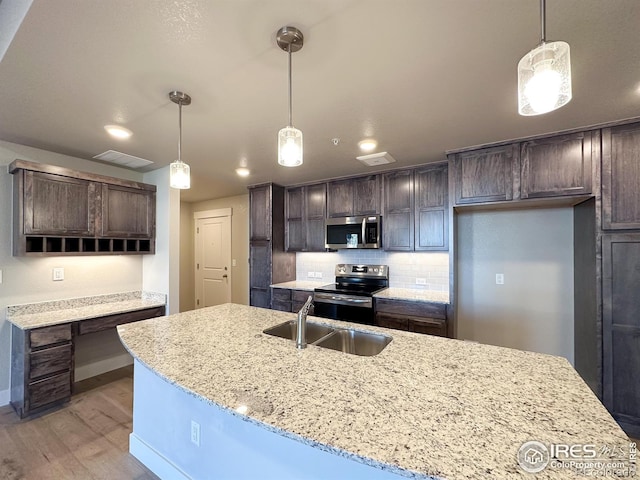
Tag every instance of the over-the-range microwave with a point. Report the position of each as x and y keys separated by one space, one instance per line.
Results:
x=353 y=232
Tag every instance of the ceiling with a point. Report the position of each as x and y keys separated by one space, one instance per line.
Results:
x=420 y=76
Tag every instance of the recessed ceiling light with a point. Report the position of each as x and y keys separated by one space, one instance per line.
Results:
x=243 y=172
x=368 y=145
x=117 y=131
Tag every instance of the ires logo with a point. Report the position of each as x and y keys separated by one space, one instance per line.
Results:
x=566 y=452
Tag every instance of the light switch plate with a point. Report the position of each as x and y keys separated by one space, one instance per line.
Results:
x=58 y=274
x=0 y=276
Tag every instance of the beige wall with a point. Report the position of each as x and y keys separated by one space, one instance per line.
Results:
x=533 y=310
x=239 y=248
x=28 y=279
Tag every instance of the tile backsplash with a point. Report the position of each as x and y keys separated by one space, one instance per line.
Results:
x=404 y=267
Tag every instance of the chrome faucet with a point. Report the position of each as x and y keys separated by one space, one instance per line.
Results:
x=301 y=334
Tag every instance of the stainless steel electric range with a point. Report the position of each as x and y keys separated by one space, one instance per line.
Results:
x=351 y=296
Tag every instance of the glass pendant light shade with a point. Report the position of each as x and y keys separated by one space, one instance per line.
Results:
x=290 y=147
x=544 y=79
x=179 y=175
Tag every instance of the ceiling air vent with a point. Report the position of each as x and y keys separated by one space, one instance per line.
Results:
x=375 y=159
x=122 y=159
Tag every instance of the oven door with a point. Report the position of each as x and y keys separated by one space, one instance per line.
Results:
x=337 y=306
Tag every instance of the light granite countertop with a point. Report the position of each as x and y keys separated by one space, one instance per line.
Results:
x=300 y=285
x=45 y=314
x=425 y=407
x=414 y=295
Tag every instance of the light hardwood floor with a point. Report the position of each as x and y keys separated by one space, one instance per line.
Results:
x=88 y=438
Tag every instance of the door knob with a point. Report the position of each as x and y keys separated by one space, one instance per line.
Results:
x=224 y=276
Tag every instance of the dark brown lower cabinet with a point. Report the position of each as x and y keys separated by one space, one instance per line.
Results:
x=621 y=329
x=289 y=300
x=412 y=316
x=42 y=359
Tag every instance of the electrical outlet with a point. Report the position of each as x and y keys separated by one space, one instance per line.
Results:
x=311 y=275
x=195 y=433
x=499 y=278
x=421 y=281
x=58 y=274
x=318 y=274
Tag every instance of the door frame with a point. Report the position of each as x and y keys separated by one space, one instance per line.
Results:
x=219 y=212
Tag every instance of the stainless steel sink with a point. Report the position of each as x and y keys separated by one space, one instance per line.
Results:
x=288 y=330
x=355 y=342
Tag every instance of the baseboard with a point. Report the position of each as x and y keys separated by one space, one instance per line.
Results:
x=5 y=397
x=92 y=369
x=155 y=462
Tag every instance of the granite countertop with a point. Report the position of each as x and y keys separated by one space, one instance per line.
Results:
x=425 y=407
x=300 y=284
x=414 y=295
x=44 y=314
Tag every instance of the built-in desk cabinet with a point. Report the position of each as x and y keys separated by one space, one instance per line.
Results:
x=42 y=359
x=58 y=211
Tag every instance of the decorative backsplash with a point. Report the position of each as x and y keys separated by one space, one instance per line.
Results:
x=404 y=268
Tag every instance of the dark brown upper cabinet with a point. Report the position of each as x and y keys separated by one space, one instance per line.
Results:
x=353 y=196
x=558 y=166
x=431 y=208
x=305 y=209
x=485 y=175
x=260 y=225
x=58 y=211
x=621 y=177
x=127 y=212
x=398 y=211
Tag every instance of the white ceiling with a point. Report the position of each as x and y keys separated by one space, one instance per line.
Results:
x=420 y=76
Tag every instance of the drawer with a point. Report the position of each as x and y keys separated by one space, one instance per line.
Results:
x=49 y=390
x=280 y=305
x=111 y=321
x=430 y=326
x=301 y=295
x=405 y=307
x=49 y=360
x=386 y=320
x=281 y=294
x=41 y=337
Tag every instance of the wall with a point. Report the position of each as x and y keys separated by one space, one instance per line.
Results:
x=239 y=246
x=187 y=279
x=28 y=279
x=404 y=267
x=533 y=310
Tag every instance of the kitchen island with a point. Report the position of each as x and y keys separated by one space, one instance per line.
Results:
x=214 y=397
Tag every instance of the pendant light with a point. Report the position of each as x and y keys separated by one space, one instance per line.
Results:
x=544 y=75
x=290 y=39
x=179 y=172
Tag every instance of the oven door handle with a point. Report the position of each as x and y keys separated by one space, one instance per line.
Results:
x=341 y=300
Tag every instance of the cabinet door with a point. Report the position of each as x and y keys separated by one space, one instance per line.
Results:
x=557 y=166
x=127 y=212
x=432 y=226
x=57 y=205
x=621 y=328
x=486 y=175
x=366 y=195
x=340 y=198
x=621 y=177
x=315 y=203
x=260 y=265
x=295 y=226
x=260 y=208
x=397 y=222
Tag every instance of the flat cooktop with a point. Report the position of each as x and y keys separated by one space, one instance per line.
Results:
x=351 y=288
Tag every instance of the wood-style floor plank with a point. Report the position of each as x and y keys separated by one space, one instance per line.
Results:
x=86 y=439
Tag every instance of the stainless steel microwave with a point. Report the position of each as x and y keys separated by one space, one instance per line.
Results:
x=353 y=232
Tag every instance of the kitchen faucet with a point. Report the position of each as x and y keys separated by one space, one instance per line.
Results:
x=301 y=334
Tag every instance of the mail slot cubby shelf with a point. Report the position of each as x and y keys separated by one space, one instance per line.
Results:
x=43 y=246
x=58 y=211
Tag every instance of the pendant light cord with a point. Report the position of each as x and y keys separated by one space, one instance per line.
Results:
x=180 y=131
x=543 y=26
x=290 y=121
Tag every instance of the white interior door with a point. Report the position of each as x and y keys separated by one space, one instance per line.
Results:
x=213 y=261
